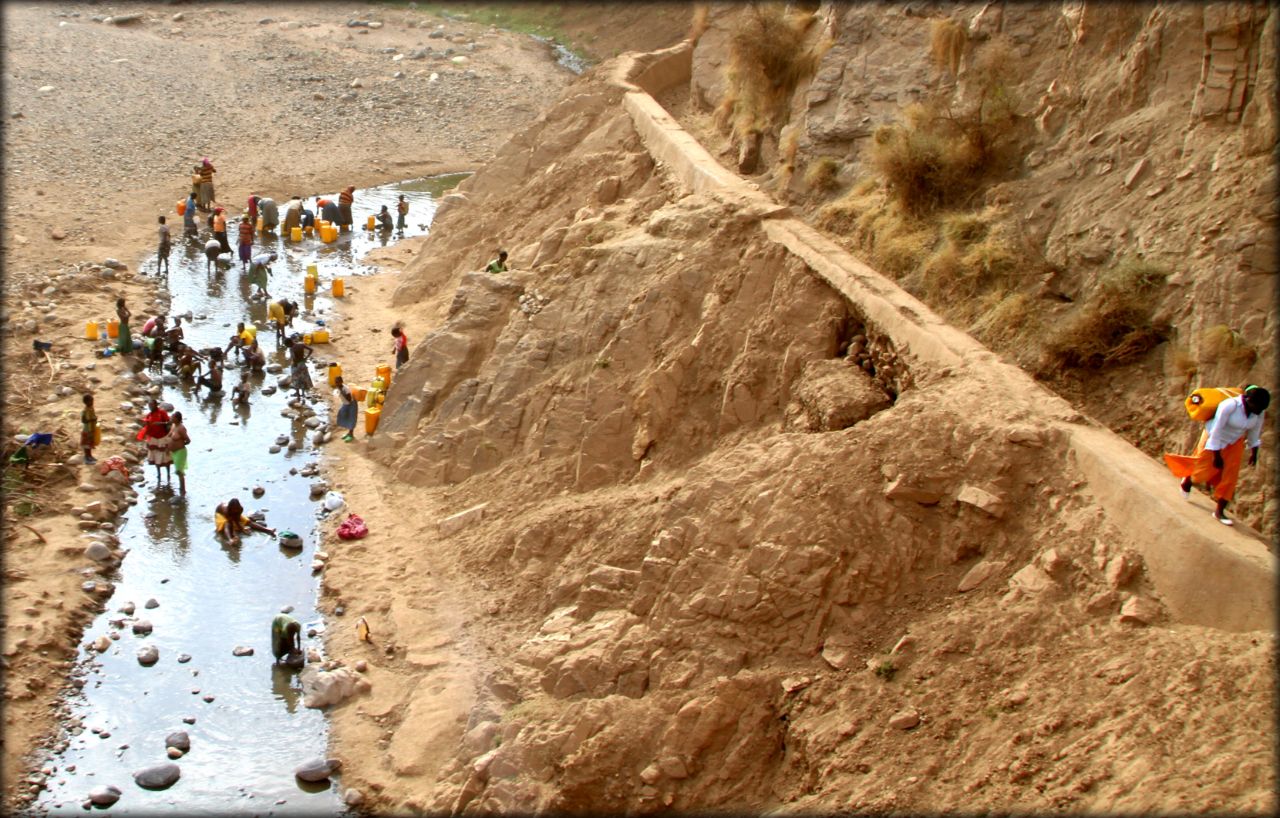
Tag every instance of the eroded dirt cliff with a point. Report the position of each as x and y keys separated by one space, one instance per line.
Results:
x=732 y=546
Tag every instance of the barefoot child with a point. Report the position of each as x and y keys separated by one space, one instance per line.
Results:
x=90 y=434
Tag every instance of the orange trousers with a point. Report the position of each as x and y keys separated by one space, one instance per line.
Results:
x=1199 y=467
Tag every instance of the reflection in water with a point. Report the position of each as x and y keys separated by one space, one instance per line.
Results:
x=286 y=686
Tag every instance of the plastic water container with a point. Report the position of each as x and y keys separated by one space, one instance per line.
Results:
x=338 y=288
x=313 y=270
x=182 y=207
x=113 y=328
x=91 y=330
x=358 y=392
x=320 y=336
x=373 y=396
x=371 y=418
x=384 y=372
x=335 y=372
x=370 y=223
x=295 y=234
x=261 y=228
x=329 y=234
x=309 y=284
x=306 y=338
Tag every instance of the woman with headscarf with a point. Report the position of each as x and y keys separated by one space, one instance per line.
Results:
x=155 y=431
x=206 y=183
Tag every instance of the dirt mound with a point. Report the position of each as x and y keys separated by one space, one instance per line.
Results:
x=733 y=548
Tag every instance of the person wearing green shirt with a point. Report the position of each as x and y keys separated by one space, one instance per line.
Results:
x=286 y=636
x=499 y=264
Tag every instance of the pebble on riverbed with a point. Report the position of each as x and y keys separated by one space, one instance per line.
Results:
x=242 y=650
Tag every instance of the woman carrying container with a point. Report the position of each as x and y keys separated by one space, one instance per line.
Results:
x=189 y=227
x=348 y=412
x=206 y=171
x=219 y=226
x=124 y=341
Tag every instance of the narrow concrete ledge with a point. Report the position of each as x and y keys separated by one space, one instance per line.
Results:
x=1206 y=573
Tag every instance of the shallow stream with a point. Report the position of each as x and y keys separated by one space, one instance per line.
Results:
x=250 y=728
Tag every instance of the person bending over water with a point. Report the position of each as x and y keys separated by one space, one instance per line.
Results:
x=231 y=522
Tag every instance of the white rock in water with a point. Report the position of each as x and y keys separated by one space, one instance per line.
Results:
x=333 y=501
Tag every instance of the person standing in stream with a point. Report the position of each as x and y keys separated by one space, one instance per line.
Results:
x=162 y=251
x=402 y=213
x=155 y=431
x=244 y=241
x=189 y=227
x=299 y=375
x=206 y=171
x=218 y=223
x=345 y=200
x=178 y=440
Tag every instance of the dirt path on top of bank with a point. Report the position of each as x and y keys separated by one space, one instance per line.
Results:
x=103 y=123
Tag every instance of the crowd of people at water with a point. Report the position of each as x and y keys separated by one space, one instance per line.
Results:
x=161 y=342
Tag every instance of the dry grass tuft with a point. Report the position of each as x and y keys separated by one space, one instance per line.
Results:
x=947 y=40
x=769 y=55
x=1221 y=344
x=822 y=175
x=937 y=155
x=1113 y=326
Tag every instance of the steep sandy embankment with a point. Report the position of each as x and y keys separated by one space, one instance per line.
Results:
x=693 y=510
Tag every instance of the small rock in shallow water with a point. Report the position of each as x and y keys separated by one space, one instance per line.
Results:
x=142 y=626
x=188 y=719
x=183 y=658
x=317 y=769
x=104 y=796
x=148 y=655
x=179 y=740
x=158 y=776
x=241 y=650
x=151 y=603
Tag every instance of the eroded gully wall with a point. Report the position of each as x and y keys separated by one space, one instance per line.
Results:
x=1206 y=573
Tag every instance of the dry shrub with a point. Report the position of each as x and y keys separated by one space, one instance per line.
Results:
x=843 y=217
x=1005 y=320
x=939 y=153
x=1113 y=326
x=1221 y=344
x=947 y=40
x=963 y=229
x=768 y=58
x=822 y=175
x=1183 y=362
x=903 y=251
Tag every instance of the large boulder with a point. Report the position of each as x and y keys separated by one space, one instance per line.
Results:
x=324 y=688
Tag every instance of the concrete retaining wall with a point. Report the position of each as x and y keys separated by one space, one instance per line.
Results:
x=1206 y=573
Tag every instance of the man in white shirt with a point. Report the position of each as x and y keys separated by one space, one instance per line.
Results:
x=1217 y=458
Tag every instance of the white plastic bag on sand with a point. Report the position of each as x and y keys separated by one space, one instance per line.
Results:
x=333 y=501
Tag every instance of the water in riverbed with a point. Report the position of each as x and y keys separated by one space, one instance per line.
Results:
x=246 y=741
